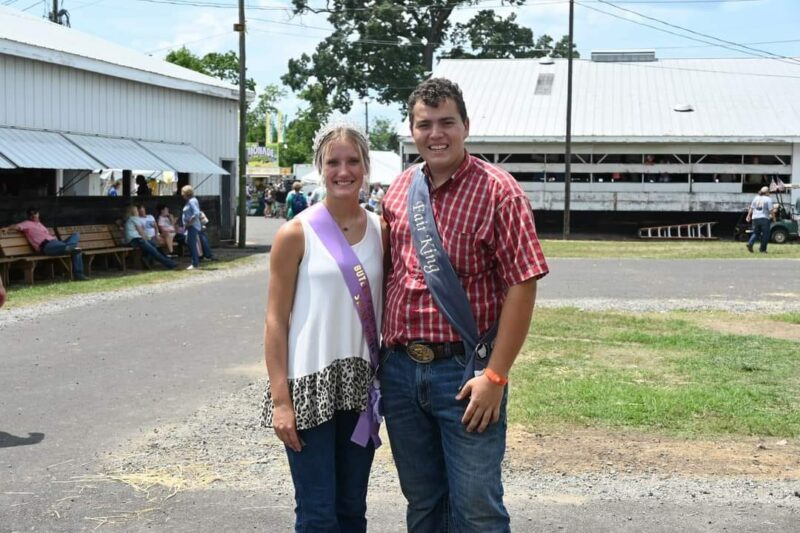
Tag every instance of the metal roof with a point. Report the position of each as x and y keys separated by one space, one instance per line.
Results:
x=183 y=158
x=118 y=153
x=733 y=99
x=37 y=38
x=43 y=149
x=5 y=163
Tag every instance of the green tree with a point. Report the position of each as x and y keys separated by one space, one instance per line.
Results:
x=299 y=134
x=489 y=36
x=384 y=48
x=226 y=67
x=223 y=66
x=383 y=135
x=257 y=114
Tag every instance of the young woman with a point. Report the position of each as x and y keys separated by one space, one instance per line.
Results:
x=166 y=227
x=321 y=352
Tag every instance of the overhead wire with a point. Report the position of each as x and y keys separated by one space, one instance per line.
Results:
x=694 y=32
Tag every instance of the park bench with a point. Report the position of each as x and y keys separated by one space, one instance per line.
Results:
x=16 y=252
x=97 y=240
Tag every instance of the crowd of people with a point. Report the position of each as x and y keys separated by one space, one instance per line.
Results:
x=156 y=236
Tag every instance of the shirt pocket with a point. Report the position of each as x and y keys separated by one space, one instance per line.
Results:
x=468 y=253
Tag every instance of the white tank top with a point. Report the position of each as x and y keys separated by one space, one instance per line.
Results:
x=324 y=324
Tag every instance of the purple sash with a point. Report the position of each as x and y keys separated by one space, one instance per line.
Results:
x=355 y=277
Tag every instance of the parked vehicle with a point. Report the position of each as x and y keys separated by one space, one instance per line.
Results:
x=784 y=226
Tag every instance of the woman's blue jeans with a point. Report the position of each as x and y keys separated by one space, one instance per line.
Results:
x=149 y=250
x=192 y=234
x=450 y=477
x=330 y=477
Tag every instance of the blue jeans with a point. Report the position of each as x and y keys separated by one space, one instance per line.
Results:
x=57 y=247
x=192 y=235
x=148 y=250
x=760 y=231
x=330 y=477
x=451 y=478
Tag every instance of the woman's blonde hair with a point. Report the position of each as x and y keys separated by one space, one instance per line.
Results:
x=187 y=190
x=131 y=211
x=340 y=131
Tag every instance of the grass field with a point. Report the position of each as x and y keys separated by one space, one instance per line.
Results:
x=665 y=250
x=657 y=373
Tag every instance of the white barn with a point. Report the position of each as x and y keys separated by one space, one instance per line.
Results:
x=652 y=139
x=72 y=105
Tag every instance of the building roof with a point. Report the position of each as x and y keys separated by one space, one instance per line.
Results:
x=37 y=38
x=737 y=100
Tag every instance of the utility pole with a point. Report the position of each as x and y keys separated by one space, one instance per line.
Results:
x=240 y=27
x=53 y=15
x=366 y=116
x=568 y=147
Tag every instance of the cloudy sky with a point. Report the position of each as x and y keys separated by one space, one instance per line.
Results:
x=275 y=35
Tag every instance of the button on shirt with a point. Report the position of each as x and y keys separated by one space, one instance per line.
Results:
x=487 y=229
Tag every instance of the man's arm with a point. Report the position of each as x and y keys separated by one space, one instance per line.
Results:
x=485 y=396
x=2 y=293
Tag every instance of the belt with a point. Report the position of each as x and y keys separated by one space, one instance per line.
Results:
x=425 y=352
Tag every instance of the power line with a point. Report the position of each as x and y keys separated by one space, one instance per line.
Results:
x=33 y=5
x=669 y=24
x=680 y=34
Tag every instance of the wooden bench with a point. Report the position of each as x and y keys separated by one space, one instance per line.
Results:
x=97 y=240
x=16 y=251
x=135 y=253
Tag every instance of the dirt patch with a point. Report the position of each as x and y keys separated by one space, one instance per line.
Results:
x=751 y=326
x=582 y=451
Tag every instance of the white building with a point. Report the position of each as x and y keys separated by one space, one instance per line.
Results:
x=649 y=136
x=72 y=104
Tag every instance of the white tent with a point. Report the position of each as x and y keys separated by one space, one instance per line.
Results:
x=385 y=168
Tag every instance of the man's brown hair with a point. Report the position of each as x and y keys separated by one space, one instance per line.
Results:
x=433 y=92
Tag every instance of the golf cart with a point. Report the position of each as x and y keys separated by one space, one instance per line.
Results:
x=784 y=225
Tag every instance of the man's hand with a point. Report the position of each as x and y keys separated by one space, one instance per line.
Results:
x=283 y=421
x=484 y=403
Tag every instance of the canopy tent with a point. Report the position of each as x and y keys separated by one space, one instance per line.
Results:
x=385 y=166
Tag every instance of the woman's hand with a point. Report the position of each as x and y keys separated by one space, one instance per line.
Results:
x=283 y=422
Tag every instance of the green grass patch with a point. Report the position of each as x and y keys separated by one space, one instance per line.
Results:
x=654 y=373
x=791 y=318
x=107 y=281
x=665 y=250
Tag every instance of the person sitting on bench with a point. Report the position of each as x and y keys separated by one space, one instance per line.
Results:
x=44 y=242
x=135 y=236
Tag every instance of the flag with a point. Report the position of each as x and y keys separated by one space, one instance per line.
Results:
x=279 y=127
x=269 y=128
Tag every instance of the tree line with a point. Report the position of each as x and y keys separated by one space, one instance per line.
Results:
x=378 y=48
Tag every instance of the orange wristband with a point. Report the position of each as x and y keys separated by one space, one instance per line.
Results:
x=494 y=377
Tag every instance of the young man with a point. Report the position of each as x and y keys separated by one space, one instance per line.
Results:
x=41 y=240
x=448 y=442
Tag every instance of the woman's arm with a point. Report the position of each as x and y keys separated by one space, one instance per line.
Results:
x=287 y=252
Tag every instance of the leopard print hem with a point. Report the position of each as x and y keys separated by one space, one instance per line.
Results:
x=341 y=386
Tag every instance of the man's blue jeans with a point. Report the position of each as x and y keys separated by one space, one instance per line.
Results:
x=330 y=477
x=57 y=247
x=760 y=231
x=451 y=478
x=149 y=250
x=192 y=234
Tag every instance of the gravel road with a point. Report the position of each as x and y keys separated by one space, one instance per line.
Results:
x=212 y=468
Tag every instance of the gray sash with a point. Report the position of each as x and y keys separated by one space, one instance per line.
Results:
x=442 y=280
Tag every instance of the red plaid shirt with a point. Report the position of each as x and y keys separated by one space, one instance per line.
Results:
x=487 y=228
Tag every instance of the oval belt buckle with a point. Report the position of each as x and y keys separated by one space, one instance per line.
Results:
x=420 y=353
